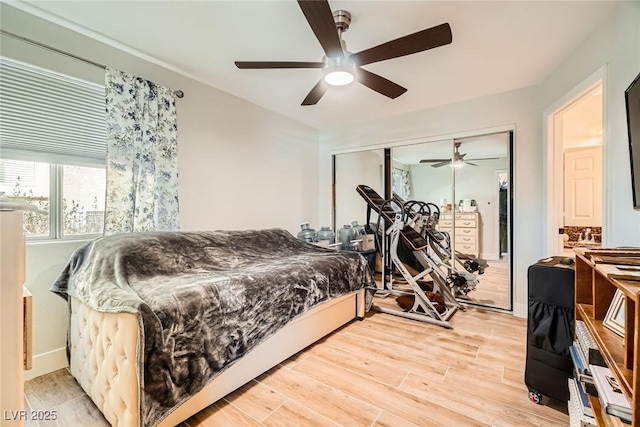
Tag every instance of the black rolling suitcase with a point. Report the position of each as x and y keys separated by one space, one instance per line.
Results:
x=550 y=328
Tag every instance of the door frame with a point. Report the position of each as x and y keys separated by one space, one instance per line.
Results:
x=553 y=161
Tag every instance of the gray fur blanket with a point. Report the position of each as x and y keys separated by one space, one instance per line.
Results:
x=204 y=299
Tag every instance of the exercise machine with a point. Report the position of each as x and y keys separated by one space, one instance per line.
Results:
x=435 y=306
x=426 y=216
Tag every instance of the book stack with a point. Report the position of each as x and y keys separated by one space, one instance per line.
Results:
x=579 y=362
x=611 y=397
x=584 y=353
x=580 y=412
x=590 y=352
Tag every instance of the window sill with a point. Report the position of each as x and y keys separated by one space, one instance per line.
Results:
x=45 y=241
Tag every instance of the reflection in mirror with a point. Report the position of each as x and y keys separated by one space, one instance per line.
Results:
x=482 y=191
x=428 y=171
x=351 y=170
x=477 y=220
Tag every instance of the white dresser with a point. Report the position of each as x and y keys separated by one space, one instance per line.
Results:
x=467 y=238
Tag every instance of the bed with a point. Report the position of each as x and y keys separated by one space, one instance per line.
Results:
x=163 y=324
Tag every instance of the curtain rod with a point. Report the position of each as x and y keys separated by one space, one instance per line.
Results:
x=177 y=93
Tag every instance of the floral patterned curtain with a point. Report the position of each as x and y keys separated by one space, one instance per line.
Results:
x=400 y=183
x=142 y=161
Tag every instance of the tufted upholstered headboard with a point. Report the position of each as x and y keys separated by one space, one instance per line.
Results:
x=104 y=360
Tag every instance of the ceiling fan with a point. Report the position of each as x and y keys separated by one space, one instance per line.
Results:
x=341 y=67
x=458 y=159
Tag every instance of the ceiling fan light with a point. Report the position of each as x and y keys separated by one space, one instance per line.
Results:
x=339 y=77
x=458 y=163
x=339 y=71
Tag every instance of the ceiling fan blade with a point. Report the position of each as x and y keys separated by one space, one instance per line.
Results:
x=469 y=163
x=320 y=18
x=438 y=165
x=316 y=93
x=487 y=158
x=430 y=38
x=259 y=65
x=434 y=160
x=379 y=84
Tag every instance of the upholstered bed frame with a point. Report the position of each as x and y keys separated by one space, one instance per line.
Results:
x=104 y=351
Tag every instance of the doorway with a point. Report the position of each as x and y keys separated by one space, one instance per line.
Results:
x=575 y=130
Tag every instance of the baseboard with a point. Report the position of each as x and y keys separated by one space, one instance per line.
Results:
x=44 y=363
x=520 y=310
x=489 y=256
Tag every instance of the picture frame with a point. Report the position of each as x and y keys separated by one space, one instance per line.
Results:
x=614 y=319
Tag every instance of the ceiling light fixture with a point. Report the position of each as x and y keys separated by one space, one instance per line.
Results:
x=458 y=163
x=339 y=71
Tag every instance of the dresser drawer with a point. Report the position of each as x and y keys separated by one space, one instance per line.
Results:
x=458 y=215
x=466 y=232
x=465 y=216
x=461 y=239
x=460 y=230
x=470 y=223
x=466 y=240
x=466 y=248
x=445 y=223
x=466 y=223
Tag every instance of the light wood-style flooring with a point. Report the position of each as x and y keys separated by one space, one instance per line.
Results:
x=493 y=286
x=381 y=372
x=492 y=289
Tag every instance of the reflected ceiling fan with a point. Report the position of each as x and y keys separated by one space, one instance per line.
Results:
x=341 y=67
x=458 y=159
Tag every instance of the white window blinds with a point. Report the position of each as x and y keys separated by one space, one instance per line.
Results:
x=12 y=171
x=50 y=117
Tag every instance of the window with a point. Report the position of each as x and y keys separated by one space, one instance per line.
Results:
x=53 y=153
x=72 y=196
x=29 y=182
x=83 y=193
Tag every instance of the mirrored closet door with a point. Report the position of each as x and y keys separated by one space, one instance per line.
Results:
x=469 y=179
x=351 y=170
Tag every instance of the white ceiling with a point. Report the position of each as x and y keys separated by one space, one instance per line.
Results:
x=497 y=46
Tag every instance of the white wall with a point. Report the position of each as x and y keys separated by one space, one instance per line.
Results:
x=352 y=169
x=240 y=165
x=430 y=184
x=45 y=260
x=518 y=108
x=615 y=44
x=472 y=182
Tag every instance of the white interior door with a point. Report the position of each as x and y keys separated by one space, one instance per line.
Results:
x=583 y=187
